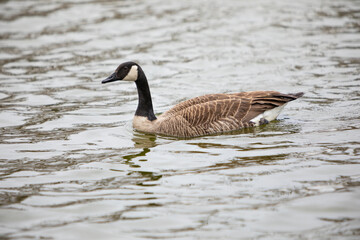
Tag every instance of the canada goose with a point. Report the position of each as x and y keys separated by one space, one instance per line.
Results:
x=204 y=115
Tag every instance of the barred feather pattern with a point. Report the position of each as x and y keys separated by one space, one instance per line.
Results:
x=216 y=113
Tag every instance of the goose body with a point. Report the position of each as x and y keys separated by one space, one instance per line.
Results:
x=204 y=115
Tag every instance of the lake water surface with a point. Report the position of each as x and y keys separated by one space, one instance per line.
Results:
x=72 y=167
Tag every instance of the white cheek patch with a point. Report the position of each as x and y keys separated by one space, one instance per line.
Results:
x=132 y=74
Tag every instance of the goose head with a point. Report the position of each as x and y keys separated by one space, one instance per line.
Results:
x=127 y=71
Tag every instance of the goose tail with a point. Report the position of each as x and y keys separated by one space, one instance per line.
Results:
x=297 y=95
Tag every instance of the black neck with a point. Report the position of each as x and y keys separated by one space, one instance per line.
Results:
x=145 y=107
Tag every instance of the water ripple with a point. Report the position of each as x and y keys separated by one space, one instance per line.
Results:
x=72 y=167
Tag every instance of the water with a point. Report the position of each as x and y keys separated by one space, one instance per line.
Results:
x=73 y=168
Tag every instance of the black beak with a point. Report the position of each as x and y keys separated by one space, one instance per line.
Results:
x=110 y=78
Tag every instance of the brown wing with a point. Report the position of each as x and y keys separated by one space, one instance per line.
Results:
x=195 y=101
x=216 y=113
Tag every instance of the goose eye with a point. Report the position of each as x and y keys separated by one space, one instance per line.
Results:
x=126 y=68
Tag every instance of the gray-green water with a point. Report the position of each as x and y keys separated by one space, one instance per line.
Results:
x=73 y=168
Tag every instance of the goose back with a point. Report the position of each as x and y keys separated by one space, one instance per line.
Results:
x=215 y=113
